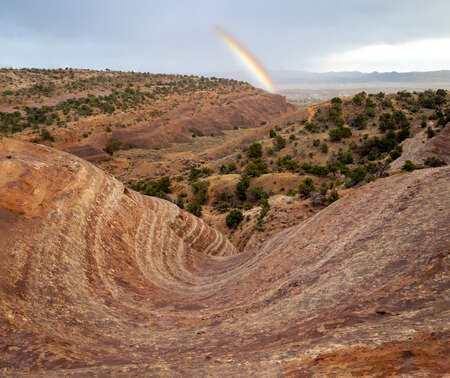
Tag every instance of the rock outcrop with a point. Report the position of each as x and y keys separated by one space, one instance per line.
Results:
x=420 y=147
x=97 y=279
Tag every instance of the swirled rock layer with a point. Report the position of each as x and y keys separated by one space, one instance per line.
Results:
x=99 y=280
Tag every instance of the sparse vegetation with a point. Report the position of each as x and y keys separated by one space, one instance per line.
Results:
x=433 y=161
x=254 y=151
x=409 y=166
x=46 y=135
x=339 y=133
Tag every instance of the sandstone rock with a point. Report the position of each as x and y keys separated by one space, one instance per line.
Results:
x=98 y=280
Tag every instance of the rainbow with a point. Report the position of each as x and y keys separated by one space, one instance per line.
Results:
x=249 y=60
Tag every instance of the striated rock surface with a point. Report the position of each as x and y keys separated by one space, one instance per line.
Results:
x=99 y=280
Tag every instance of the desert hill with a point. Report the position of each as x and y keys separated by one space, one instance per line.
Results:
x=98 y=279
x=85 y=111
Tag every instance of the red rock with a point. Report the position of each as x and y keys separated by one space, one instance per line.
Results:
x=98 y=279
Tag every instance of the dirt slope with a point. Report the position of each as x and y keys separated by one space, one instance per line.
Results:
x=100 y=280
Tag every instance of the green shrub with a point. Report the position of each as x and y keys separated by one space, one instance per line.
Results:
x=254 y=151
x=431 y=100
x=196 y=173
x=195 y=208
x=242 y=186
x=256 y=168
x=339 y=133
x=46 y=135
x=317 y=170
x=112 y=145
x=334 y=196
x=409 y=166
x=355 y=176
x=233 y=218
x=257 y=194
x=345 y=157
x=287 y=162
x=387 y=103
x=265 y=207
x=306 y=187
x=180 y=201
x=157 y=188
x=360 y=121
x=370 y=112
x=386 y=122
x=369 y=103
x=222 y=206
x=311 y=127
x=280 y=143
x=336 y=100
x=200 y=191
x=433 y=161
x=232 y=167
x=359 y=98
x=396 y=152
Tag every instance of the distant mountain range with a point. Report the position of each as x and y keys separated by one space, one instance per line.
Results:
x=294 y=77
x=290 y=78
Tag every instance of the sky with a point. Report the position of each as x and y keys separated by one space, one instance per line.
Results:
x=178 y=36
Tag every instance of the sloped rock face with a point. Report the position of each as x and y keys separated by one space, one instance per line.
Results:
x=97 y=279
x=420 y=147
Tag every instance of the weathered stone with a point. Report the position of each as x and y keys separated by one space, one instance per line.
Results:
x=98 y=280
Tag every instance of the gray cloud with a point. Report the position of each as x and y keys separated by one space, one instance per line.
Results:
x=177 y=36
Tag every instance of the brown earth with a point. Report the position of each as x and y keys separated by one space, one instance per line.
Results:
x=99 y=280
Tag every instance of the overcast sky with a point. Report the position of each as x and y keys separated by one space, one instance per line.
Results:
x=178 y=36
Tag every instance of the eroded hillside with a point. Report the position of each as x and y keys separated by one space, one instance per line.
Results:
x=98 y=279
